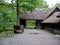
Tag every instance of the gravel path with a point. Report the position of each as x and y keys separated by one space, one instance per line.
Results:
x=32 y=37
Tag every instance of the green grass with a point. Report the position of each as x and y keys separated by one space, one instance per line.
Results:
x=30 y=23
x=6 y=34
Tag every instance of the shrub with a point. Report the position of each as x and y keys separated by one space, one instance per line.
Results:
x=1 y=28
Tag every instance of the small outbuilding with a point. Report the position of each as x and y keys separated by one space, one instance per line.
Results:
x=52 y=22
x=38 y=15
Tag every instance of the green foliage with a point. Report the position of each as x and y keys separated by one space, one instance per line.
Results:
x=8 y=16
x=42 y=4
x=58 y=4
x=29 y=5
x=1 y=28
x=30 y=23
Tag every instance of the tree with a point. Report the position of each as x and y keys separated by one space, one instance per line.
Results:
x=8 y=13
x=45 y=5
x=29 y=5
x=9 y=9
x=41 y=4
x=57 y=4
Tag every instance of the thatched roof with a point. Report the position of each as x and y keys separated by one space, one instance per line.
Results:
x=54 y=9
x=38 y=14
x=53 y=18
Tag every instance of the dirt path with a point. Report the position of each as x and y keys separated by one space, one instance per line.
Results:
x=32 y=37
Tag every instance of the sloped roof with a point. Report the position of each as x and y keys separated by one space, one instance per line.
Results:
x=53 y=9
x=38 y=14
x=53 y=18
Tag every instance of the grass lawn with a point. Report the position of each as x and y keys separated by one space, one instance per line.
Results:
x=30 y=23
x=6 y=34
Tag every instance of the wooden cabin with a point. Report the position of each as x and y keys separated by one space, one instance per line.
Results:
x=38 y=15
x=52 y=22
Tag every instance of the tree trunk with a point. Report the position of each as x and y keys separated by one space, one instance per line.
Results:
x=17 y=13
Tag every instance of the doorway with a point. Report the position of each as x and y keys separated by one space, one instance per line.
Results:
x=30 y=23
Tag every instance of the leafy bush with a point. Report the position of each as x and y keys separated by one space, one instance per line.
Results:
x=1 y=29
